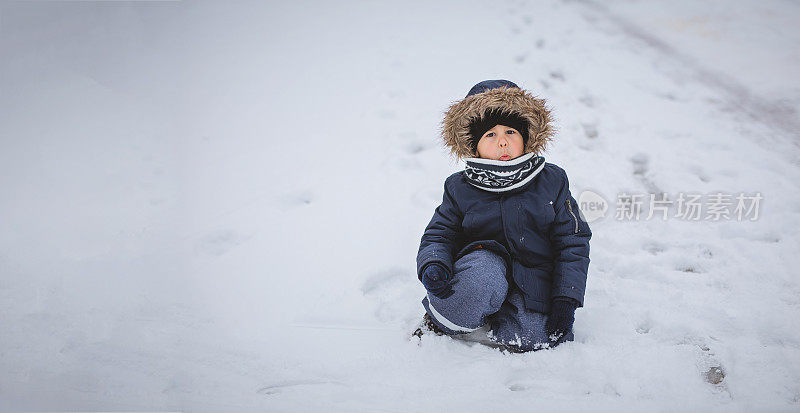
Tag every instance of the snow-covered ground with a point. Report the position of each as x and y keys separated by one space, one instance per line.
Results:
x=217 y=206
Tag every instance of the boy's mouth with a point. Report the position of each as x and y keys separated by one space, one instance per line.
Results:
x=505 y=158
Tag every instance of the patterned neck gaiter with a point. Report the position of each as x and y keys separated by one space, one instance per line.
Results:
x=499 y=176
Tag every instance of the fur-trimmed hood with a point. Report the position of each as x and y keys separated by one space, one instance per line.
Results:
x=502 y=95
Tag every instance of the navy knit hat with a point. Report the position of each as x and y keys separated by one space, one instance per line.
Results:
x=490 y=84
x=492 y=118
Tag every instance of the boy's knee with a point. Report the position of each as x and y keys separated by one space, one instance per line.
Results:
x=484 y=273
x=483 y=263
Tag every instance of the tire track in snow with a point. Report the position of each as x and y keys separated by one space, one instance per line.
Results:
x=735 y=96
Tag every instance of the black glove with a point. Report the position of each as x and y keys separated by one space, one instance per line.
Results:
x=560 y=320
x=437 y=281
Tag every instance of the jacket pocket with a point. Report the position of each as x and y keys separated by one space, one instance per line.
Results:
x=482 y=222
x=542 y=219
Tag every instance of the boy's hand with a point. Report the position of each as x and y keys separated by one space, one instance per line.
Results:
x=437 y=281
x=560 y=320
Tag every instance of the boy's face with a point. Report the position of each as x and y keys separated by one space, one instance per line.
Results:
x=501 y=143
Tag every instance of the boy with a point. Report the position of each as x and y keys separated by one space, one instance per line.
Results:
x=507 y=245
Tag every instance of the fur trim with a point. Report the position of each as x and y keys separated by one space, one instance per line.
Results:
x=455 y=126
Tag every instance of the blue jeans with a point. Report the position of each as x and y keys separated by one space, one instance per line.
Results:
x=483 y=294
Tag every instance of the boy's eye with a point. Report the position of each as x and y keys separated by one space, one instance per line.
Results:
x=489 y=135
x=510 y=131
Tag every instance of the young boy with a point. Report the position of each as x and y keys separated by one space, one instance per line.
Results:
x=507 y=245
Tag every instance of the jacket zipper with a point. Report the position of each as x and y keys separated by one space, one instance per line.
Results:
x=569 y=205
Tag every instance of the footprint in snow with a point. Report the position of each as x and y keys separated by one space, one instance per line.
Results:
x=590 y=130
x=654 y=248
x=641 y=165
x=393 y=291
x=557 y=75
x=588 y=101
x=413 y=148
x=698 y=171
x=711 y=370
x=220 y=242
x=380 y=280
x=295 y=199
x=644 y=326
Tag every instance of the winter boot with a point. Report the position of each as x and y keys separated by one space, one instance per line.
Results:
x=427 y=326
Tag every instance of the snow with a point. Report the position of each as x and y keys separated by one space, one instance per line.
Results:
x=217 y=206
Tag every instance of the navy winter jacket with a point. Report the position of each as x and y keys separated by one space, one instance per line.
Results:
x=536 y=228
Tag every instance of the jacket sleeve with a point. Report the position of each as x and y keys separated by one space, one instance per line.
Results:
x=442 y=235
x=570 y=237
